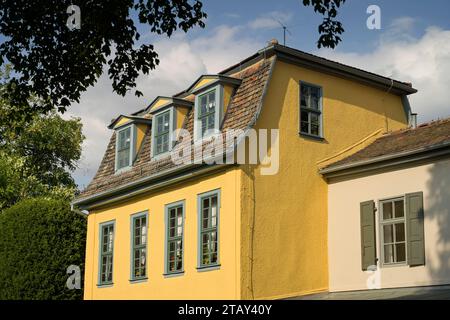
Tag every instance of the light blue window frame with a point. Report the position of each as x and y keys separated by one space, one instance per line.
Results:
x=172 y=125
x=102 y=225
x=200 y=266
x=181 y=203
x=218 y=110
x=133 y=218
x=132 y=155
x=310 y=111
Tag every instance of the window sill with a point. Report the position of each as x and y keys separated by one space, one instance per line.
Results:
x=140 y=280
x=160 y=156
x=393 y=265
x=311 y=136
x=173 y=274
x=122 y=170
x=208 y=268
x=105 y=285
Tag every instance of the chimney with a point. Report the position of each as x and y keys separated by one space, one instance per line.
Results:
x=413 y=121
x=272 y=42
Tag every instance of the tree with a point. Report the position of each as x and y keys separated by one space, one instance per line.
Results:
x=39 y=240
x=36 y=155
x=330 y=28
x=56 y=63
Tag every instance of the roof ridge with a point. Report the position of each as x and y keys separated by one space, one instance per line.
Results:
x=423 y=125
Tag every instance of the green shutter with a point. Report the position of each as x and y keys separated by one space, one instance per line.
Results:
x=415 y=229
x=368 y=244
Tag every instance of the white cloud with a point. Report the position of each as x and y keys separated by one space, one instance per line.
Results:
x=424 y=61
x=271 y=20
x=181 y=62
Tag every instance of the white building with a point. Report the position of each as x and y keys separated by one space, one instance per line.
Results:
x=389 y=211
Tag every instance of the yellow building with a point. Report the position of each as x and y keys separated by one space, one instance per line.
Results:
x=171 y=227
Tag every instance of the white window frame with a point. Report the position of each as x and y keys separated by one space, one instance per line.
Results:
x=167 y=209
x=382 y=222
x=308 y=134
x=218 y=112
x=132 y=127
x=214 y=266
x=172 y=124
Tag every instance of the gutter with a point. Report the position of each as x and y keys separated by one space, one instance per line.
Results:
x=424 y=153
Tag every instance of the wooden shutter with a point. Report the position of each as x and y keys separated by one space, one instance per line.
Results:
x=368 y=244
x=415 y=229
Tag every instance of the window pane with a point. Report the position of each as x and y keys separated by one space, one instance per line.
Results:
x=399 y=232
x=315 y=98
x=399 y=209
x=387 y=210
x=203 y=102
x=304 y=95
x=304 y=121
x=401 y=252
x=211 y=101
x=388 y=234
x=211 y=121
x=389 y=253
x=314 y=124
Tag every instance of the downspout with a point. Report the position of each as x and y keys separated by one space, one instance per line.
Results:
x=410 y=116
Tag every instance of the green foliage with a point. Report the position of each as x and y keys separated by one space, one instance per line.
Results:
x=39 y=239
x=37 y=152
x=57 y=64
x=330 y=28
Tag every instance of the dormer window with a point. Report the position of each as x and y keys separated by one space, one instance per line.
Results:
x=207 y=111
x=213 y=94
x=124 y=148
x=162 y=133
x=168 y=114
x=130 y=132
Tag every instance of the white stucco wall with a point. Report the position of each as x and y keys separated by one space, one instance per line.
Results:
x=344 y=243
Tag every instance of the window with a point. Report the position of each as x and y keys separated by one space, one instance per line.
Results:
x=175 y=228
x=139 y=247
x=393 y=231
x=310 y=110
x=106 y=253
x=161 y=138
x=208 y=112
x=209 y=220
x=123 y=146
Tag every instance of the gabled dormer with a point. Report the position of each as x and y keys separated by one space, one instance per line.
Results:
x=212 y=96
x=130 y=132
x=168 y=115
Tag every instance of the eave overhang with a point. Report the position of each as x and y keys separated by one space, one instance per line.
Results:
x=386 y=162
x=133 y=119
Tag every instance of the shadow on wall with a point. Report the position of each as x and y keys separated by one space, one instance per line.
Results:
x=439 y=213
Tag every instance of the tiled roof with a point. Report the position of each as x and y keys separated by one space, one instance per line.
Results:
x=240 y=114
x=424 y=136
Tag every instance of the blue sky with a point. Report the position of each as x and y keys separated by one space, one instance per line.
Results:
x=412 y=45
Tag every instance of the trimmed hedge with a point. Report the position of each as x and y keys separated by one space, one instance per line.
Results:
x=39 y=239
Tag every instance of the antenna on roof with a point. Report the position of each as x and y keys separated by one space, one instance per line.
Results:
x=285 y=29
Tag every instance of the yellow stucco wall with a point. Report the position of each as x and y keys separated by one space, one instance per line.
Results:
x=227 y=93
x=288 y=211
x=203 y=82
x=121 y=122
x=181 y=115
x=140 y=134
x=223 y=283
x=160 y=101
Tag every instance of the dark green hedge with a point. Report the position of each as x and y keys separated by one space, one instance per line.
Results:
x=39 y=239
